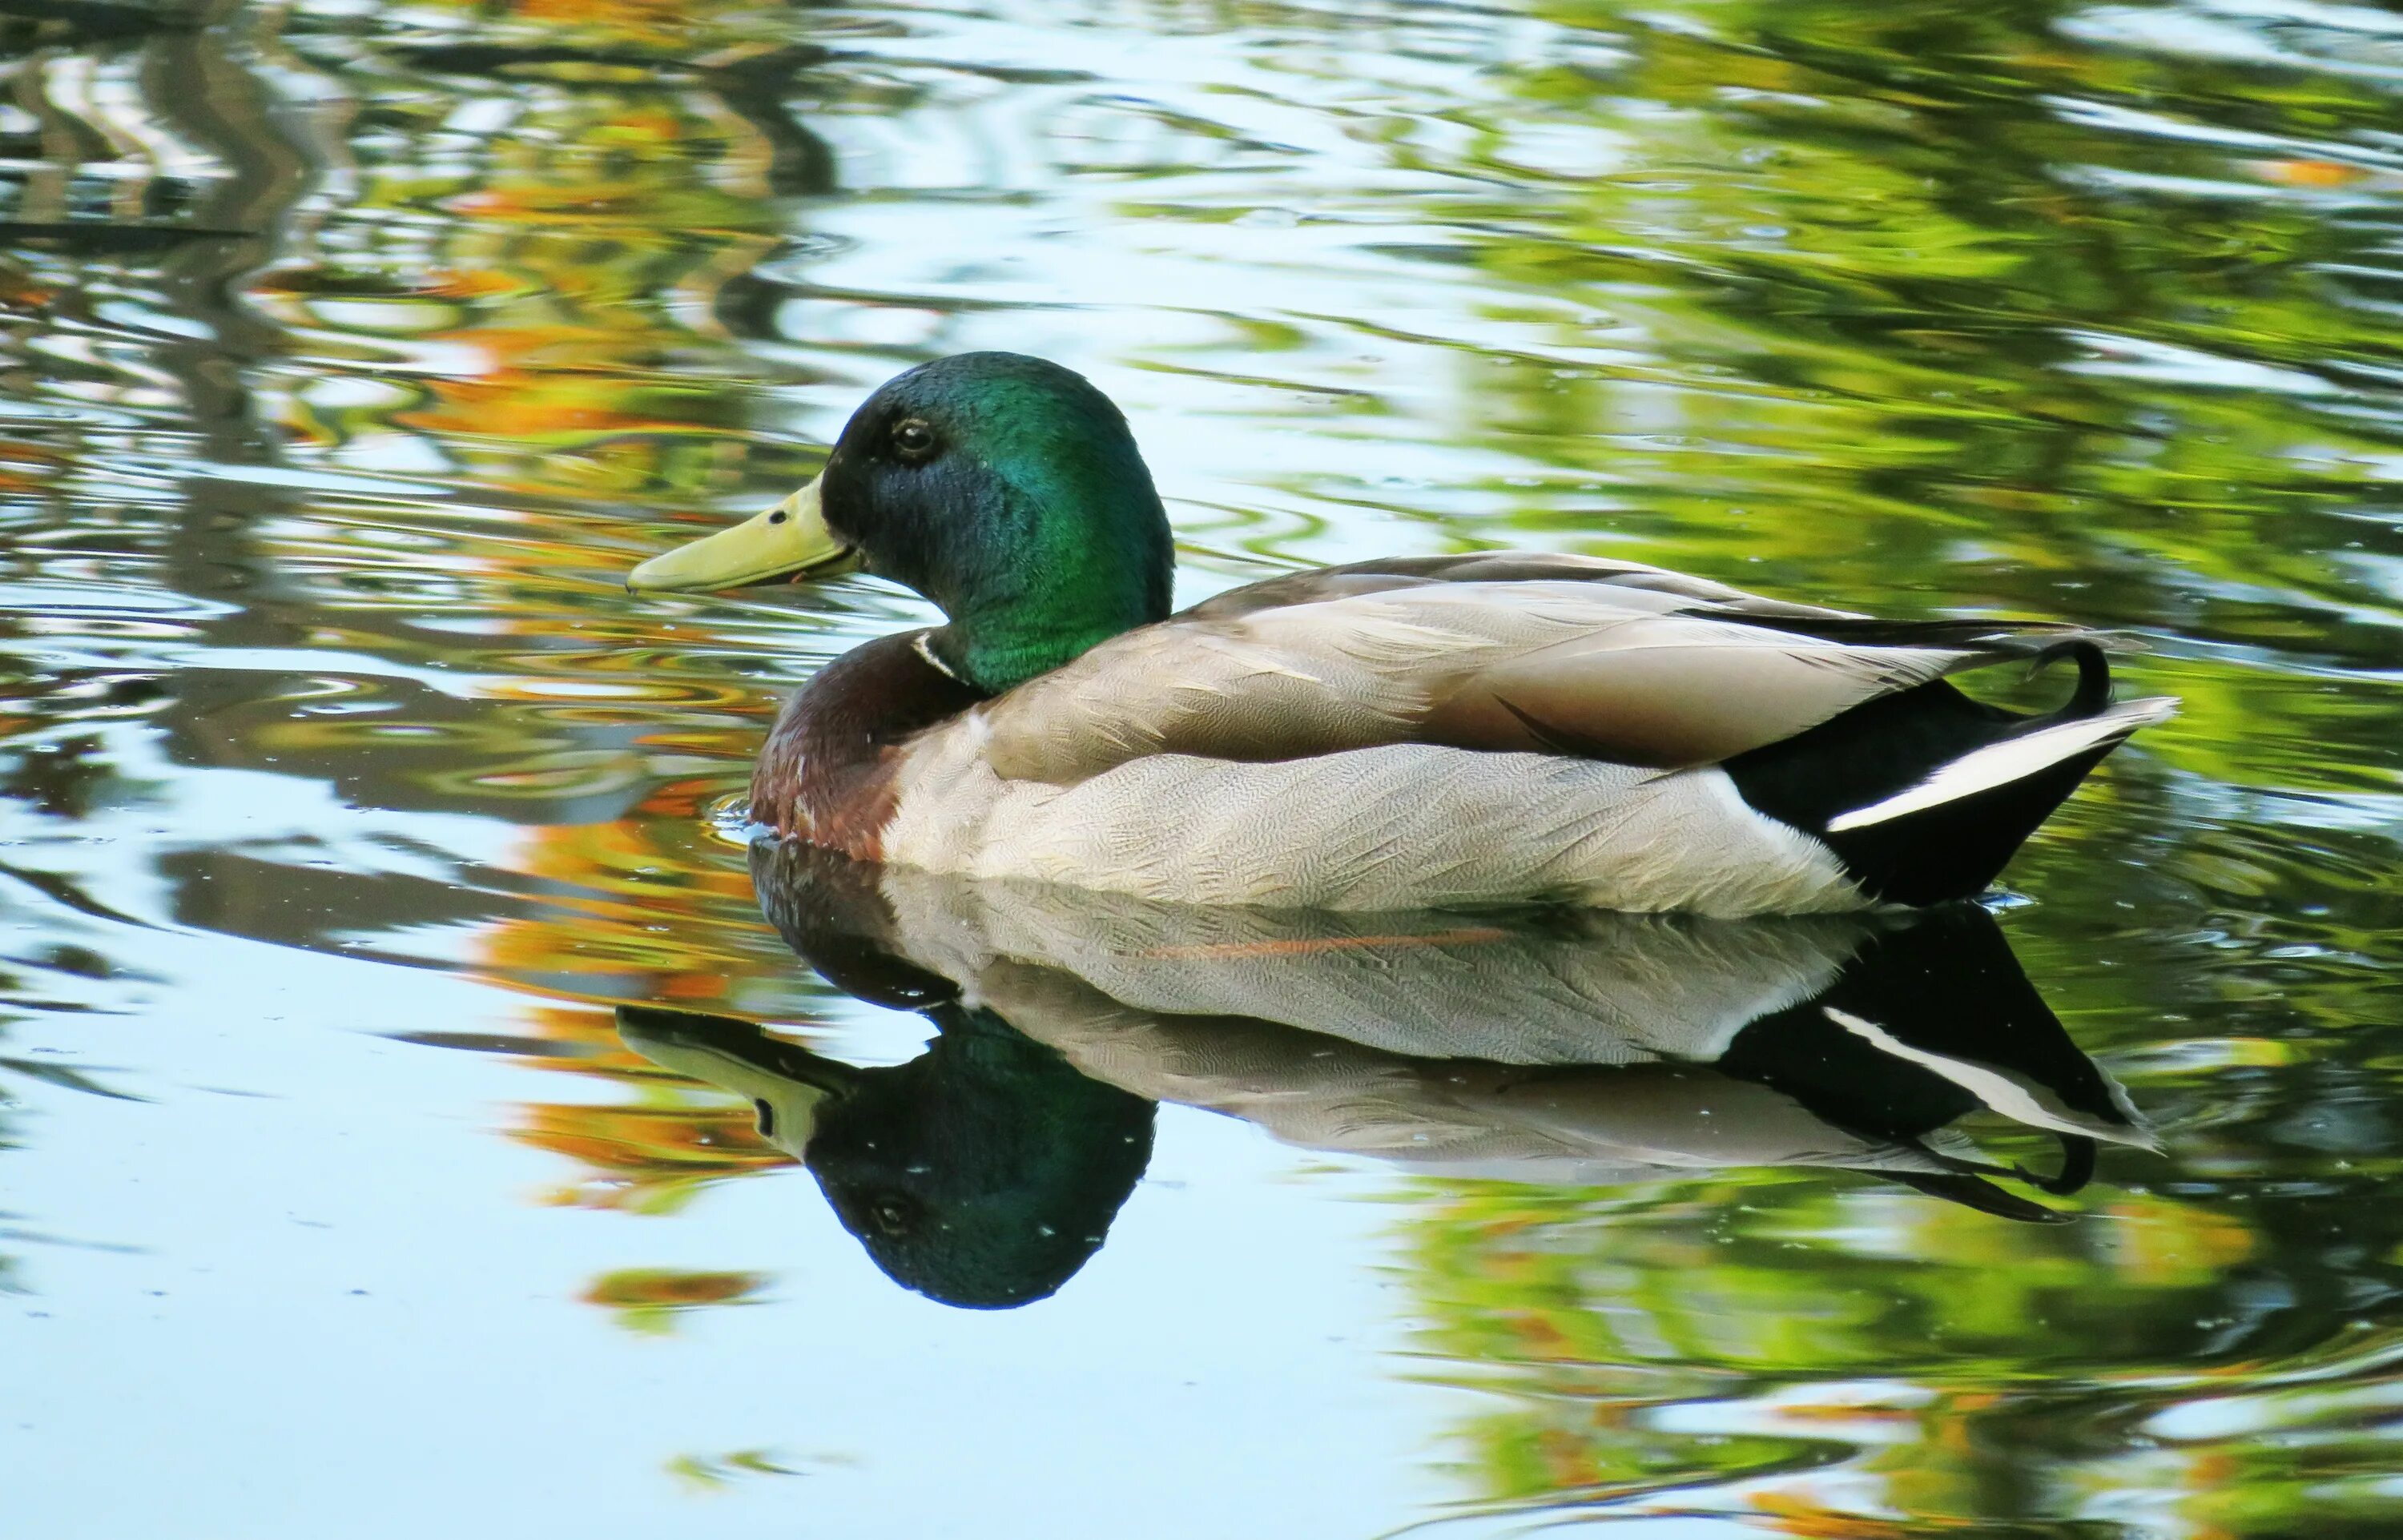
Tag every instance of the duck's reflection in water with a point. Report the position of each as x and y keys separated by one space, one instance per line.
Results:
x=1579 y=1048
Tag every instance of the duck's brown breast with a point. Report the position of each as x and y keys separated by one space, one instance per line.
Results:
x=827 y=773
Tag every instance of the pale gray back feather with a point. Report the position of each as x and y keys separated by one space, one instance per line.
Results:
x=1384 y=574
x=1596 y=667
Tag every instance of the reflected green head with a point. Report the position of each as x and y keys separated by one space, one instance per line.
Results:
x=1009 y=491
x=985 y=1171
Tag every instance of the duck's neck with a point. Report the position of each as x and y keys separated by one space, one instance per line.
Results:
x=1041 y=565
x=992 y=654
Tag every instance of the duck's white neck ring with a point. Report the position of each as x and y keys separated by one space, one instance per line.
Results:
x=919 y=645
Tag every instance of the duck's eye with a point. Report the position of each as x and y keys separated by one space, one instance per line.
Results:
x=912 y=439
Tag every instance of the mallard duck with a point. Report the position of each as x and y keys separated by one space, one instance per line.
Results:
x=1472 y=729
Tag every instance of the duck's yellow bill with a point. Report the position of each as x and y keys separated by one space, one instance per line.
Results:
x=788 y=543
x=734 y=1055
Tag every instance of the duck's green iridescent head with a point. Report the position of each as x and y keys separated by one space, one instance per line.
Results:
x=1006 y=489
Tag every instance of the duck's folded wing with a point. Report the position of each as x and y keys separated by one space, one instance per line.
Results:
x=1652 y=675
x=1388 y=574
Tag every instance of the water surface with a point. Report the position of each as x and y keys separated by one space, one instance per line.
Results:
x=349 y=354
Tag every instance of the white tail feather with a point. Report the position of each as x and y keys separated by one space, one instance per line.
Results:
x=2032 y=1103
x=2013 y=759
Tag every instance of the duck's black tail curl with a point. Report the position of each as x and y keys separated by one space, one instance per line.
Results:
x=2093 y=691
x=1925 y=794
